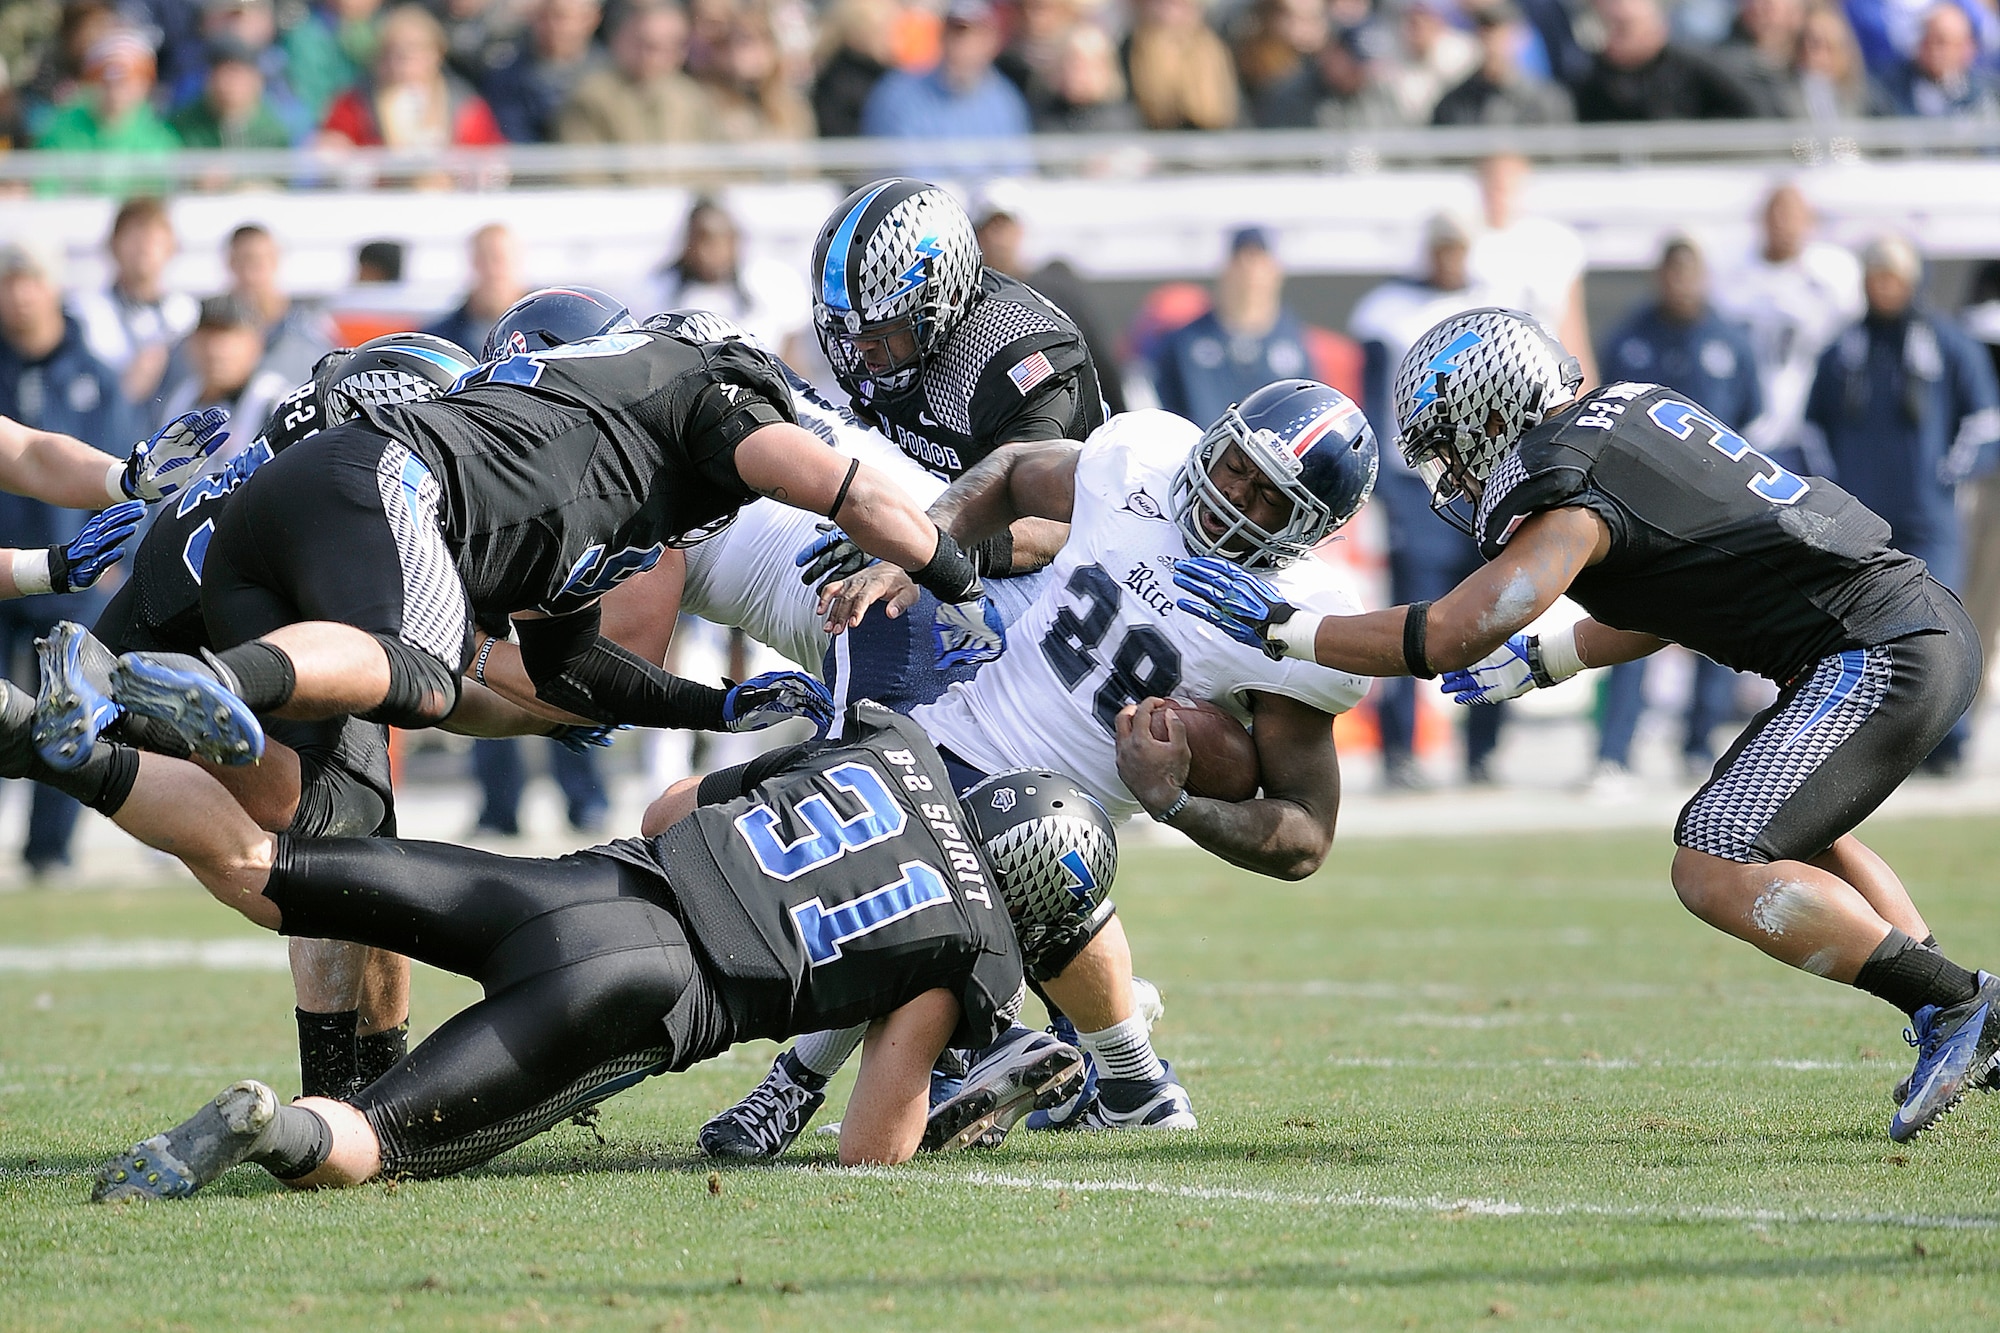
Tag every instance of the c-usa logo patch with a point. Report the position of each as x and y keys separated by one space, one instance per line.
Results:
x=1144 y=505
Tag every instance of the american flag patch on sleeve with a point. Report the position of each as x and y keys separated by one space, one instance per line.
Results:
x=1033 y=369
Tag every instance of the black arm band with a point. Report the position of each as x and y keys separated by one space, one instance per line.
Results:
x=1415 y=623
x=994 y=557
x=578 y=670
x=840 y=496
x=949 y=574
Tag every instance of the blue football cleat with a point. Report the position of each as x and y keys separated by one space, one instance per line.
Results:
x=175 y=1164
x=75 y=702
x=195 y=698
x=1013 y=1078
x=1068 y=1114
x=1957 y=1049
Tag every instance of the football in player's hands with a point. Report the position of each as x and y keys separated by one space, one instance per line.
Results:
x=1225 y=758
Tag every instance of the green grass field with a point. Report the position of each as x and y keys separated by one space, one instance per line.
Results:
x=1463 y=1084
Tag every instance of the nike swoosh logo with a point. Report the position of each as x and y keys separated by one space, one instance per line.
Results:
x=924 y=419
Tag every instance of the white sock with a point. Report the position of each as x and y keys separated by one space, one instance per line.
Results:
x=825 y=1052
x=1124 y=1051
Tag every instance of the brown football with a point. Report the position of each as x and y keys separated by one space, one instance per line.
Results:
x=1225 y=758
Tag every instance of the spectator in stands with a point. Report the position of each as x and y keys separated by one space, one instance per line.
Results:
x=1833 y=84
x=50 y=381
x=1089 y=93
x=232 y=110
x=1502 y=91
x=49 y=66
x=1246 y=341
x=494 y=256
x=1907 y=403
x=1529 y=263
x=1427 y=558
x=1179 y=70
x=643 y=96
x=767 y=297
x=480 y=36
x=1942 y=77
x=295 y=335
x=528 y=89
x=244 y=29
x=409 y=101
x=1761 y=53
x=1435 y=57
x=1276 y=44
x=133 y=324
x=225 y=355
x=964 y=97
x=1640 y=75
x=112 y=110
x=1678 y=340
x=328 y=50
x=1981 y=319
x=747 y=87
x=1337 y=89
x=1889 y=31
x=856 y=50
x=996 y=221
x=1794 y=295
x=1033 y=57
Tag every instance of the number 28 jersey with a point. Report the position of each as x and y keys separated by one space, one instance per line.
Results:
x=1106 y=630
x=1712 y=544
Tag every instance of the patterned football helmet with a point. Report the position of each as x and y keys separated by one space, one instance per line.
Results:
x=1312 y=442
x=698 y=326
x=898 y=256
x=395 y=368
x=552 y=317
x=1053 y=850
x=1469 y=389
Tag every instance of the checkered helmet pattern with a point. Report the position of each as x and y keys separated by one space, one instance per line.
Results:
x=896 y=255
x=1471 y=387
x=1052 y=849
x=395 y=368
x=698 y=326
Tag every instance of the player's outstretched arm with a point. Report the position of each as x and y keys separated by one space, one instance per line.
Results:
x=57 y=469
x=793 y=466
x=884 y=1120
x=1285 y=833
x=1020 y=481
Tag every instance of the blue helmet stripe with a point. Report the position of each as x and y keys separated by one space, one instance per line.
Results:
x=450 y=364
x=833 y=290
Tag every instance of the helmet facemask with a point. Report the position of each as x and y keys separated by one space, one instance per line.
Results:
x=1242 y=539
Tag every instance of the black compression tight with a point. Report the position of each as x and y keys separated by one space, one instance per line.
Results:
x=578 y=966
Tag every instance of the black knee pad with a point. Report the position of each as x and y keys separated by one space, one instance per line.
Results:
x=1059 y=952
x=333 y=803
x=422 y=690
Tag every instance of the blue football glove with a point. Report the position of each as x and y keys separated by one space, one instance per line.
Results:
x=1234 y=600
x=968 y=633
x=1505 y=673
x=173 y=457
x=81 y=561
x=833 y=555
x=766 y=700
x=578 y=739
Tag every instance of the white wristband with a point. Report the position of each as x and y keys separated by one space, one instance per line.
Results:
x=114 y=483
x=1560 y=659
x=1297 y=635
x=31 y=572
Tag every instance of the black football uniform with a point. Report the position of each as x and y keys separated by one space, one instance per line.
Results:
x=344 y=762
x=840 y=885
x=539 y=483
x=1716 y=547
x=1015 y=369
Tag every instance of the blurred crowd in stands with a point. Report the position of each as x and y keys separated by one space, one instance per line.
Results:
x=152 y=75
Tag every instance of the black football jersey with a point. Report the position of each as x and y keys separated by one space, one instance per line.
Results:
x=1014 y=353
x=566 y=471
x=1713 y=545
x=840 y=889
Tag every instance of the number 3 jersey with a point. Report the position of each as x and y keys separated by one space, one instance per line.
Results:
x=1106 y=630
x=1712 y=545
x=842 y=886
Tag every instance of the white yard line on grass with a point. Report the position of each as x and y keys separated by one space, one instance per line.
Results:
x=147 y=955
x=1439 y=1204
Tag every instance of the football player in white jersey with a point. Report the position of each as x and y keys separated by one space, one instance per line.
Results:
x=1089 y=664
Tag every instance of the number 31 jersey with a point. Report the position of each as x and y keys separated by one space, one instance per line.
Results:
x=1106 y=630
x=1712 y=544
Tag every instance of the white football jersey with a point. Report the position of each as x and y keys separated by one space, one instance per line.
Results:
x=744 y=576
x=1106 y=631
x=1793 y=310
